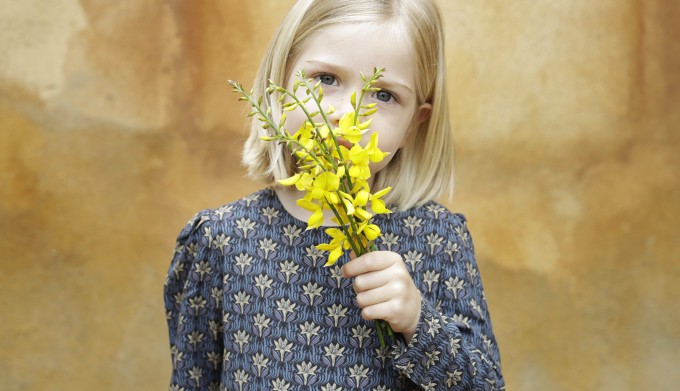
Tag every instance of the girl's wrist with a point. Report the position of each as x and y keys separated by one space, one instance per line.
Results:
x=410 y=331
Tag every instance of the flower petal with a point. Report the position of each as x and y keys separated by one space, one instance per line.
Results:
x=333 y=256
x=290 y=181
x=315 y=219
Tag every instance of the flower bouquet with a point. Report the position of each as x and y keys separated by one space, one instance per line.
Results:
x=333 y=176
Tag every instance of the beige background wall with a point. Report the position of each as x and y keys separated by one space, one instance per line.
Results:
x=116 y=125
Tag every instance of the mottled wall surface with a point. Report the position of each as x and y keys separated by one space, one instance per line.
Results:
x=116 y=125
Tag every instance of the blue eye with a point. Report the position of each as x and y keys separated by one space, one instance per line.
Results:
x=384 y=96
x=327 y=79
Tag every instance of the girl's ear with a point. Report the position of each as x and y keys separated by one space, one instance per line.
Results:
x=423 y=113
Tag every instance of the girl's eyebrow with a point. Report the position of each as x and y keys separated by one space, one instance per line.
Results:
x=382 y=81
x=391 y=84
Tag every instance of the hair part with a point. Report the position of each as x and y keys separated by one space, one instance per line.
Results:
x=422 y=169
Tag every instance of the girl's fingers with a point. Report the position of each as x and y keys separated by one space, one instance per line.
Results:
x=385 y=310
x=371 y=280
x=402 y=316
x=385 y=290
x=374 y=296
x=373 y=261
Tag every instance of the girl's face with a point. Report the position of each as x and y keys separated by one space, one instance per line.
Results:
x=335 y=56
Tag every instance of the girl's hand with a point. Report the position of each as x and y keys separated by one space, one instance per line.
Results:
x=385 y=290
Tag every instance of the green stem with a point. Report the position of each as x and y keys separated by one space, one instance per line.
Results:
x=279 y=134
x=326 y=120
x=301 y=105
x=342 y=227
x=377 y=74
x=380 y=334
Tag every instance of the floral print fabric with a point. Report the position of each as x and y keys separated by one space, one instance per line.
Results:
x=251 y=307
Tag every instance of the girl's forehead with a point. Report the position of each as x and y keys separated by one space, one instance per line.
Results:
x=358 y=42
x=376 y=30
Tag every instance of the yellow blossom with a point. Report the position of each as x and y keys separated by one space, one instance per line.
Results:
x=305 y=182
x=348 y=130
x=371 y=231
x=316 y=219
x=324 y=187
x=304 y=134
x=378 y=205
x=374 y=153
x=336 y=246
x=354 y=205
x=290 y=181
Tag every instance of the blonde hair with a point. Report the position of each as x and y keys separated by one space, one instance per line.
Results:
x=423 y=168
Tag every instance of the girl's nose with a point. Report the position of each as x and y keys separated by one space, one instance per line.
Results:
x=342 y=107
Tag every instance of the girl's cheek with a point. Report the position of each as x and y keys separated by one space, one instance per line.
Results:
x=294 y=120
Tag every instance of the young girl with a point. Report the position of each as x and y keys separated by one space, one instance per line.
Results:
x=250 y=305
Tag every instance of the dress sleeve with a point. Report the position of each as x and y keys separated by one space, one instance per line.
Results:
x=193 y=297
x=454 y=347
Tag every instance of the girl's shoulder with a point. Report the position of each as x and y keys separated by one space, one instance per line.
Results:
x=430 y=213
x=247 y=210
x=419 y=228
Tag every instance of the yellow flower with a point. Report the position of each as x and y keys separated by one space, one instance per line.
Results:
x=304 y=134
x=360 y=160
x=335 y=246
x=378 y=205
x=358 y=155
x=343 y=156
x=354 y=206
x=316 y=219
x=374 y=153
x=305 y=182
x=361 y=198
x=325 y=187
x=362 y=214
x=348 y=130
x=323 y=131
x=290 y=181
x=370 y=231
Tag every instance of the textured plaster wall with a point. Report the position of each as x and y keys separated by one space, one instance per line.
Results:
x=116 y=125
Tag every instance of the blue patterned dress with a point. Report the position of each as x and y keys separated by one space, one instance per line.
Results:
x=250 y=306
